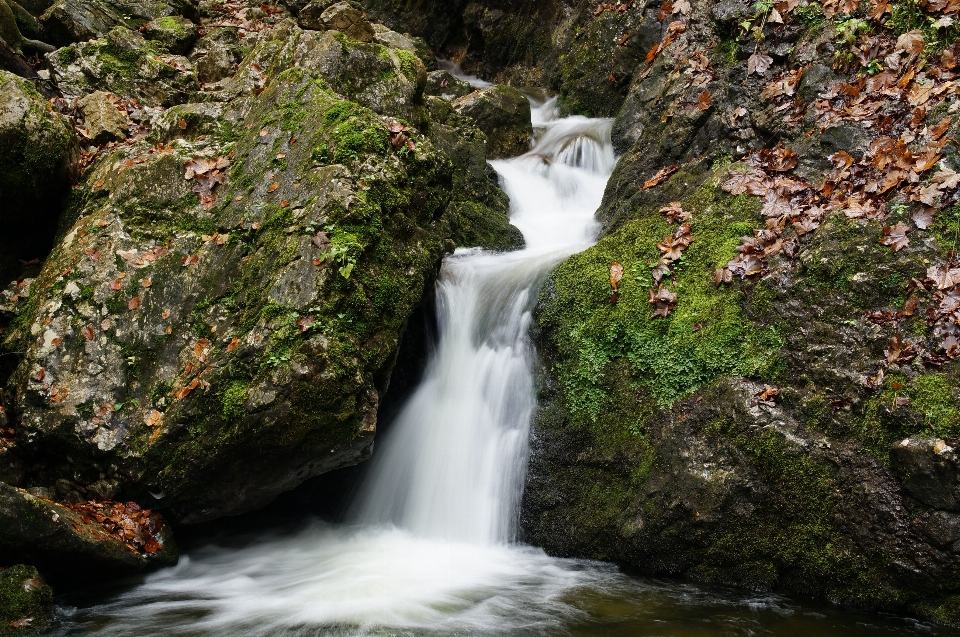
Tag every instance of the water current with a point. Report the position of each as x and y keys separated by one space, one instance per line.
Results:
x=429 y=547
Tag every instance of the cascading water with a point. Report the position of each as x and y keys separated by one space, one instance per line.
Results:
x=453 y=466
x=429 y=550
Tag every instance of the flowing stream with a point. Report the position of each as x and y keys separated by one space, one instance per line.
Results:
x=429 y=547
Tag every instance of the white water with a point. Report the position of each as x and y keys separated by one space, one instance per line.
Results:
x=431 y=545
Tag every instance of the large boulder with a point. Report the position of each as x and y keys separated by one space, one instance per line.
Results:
x=40 y=149
x=772 y=399
x=26 y=600
x=70 y=21
x=65 y=541
x=123 y=62
x=503 y=113
x=221 y=317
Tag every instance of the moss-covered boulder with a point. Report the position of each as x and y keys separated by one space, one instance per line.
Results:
x=503 y=114
x=220 y=318
x=176 y=34
x=40 y=149
x=62 y=541
x=772 y=397
x=123 y=62
x=70 y=21
x=26 y=600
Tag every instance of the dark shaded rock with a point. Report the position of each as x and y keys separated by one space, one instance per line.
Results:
x=176 y=34
x=930 y=471
x=58 y=540
x=40 y=149
x=503 y=114
x=26 y=600
x=70 y=21
x=102 y=119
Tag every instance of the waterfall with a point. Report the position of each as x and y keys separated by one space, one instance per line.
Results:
x=453 y=465
x=429 y=548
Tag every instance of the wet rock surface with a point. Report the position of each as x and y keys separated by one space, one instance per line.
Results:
x=503 y=114
x=63 y=542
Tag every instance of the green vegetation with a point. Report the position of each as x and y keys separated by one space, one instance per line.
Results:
x=706 y=336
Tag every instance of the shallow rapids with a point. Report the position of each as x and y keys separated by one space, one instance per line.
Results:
x=429 y=548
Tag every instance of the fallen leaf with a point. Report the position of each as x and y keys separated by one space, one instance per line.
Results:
x=663 y=301
x=88 y=333
x=134 y=303
x=661 y=176
x=616 y=274
x=923 y=217
x=896 y=236
x=273 y=187
x=758 y=63
x=703 y=102
x=146 y=283
x=153 y=418
x=233 y=344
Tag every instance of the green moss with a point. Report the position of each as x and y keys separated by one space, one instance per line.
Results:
x=169 y=23
x=793 y=531
x=933 y=409
x=908 y=15
x=705 y=337
x=233 y=400
x=410 y=64
x=23 y=594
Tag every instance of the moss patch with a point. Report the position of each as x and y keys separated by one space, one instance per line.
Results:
x=705 y=337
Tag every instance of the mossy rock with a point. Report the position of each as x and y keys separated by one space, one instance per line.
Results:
x=40 y=152
x=124 y=63
x=26 y=601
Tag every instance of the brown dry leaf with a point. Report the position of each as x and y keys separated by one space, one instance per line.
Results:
x=165 y=314
x=116 y=285
x=911 y=42
x=661 y=176
x=923 y=217
x=41 y=373
x=88 y=333
x=146 y=283
x=765 y=396
x=944 y=276
x=663 y=301
x=675 y=212
x=233 y=344
x=153 y=418
x=703 y=102
x=134 y=303
x=273 y=187
x=616 y=274
x=200 y=346
x=666 y=10
x=25 y=622
x=896 y=236
x=759 y=63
